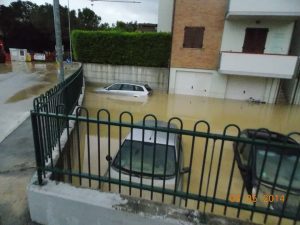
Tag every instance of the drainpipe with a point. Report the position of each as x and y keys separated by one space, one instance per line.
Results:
x=296 y=90
x=58 y=46
x=172 y=33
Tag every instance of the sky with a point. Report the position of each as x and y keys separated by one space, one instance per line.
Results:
x=110 y=12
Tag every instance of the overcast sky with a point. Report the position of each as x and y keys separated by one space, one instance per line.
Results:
x=110 y=12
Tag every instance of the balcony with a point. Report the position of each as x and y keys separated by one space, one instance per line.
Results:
x=259 y=65
x=263 y=8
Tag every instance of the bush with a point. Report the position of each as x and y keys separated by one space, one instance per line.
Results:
x=122 y=48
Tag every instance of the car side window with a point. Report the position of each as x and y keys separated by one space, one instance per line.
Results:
x=138 y=88
x=115 y=87
x=127 y=87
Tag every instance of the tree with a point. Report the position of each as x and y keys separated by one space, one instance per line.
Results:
x=24 y=24
x=128 y=27
x=88 y=19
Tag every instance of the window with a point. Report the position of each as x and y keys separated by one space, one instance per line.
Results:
x=138 y=88
x=127 y=87
x=131 y=158
x=193 y=37
x=115 y=87
x=255 y=40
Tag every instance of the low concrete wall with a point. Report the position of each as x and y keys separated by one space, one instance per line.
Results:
x=58 y=203
x=157 y=78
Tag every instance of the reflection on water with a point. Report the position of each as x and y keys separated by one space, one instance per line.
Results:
x=218 y=112
x=32 y=91
x=42 y=76
x=5 y=68
x=98 y=141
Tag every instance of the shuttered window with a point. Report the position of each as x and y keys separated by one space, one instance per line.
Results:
x=193 y=37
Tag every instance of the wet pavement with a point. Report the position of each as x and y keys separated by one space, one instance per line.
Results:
x=218 y=112
x=20 y=82
x=17 y=165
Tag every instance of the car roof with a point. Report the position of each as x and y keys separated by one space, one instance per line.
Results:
x=128 y=83
x=149 y=135
x=268 y=135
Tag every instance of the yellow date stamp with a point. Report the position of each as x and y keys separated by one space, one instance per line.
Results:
x=266 y=198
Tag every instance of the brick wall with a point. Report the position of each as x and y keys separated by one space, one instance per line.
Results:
x=207 y=13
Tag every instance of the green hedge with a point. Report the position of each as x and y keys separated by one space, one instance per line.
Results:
x=122 y=48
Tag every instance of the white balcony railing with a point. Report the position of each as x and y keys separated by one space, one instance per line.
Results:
x=263 y=8
x=259 y=65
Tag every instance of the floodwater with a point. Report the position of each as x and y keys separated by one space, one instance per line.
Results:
x=39 y=76
x=20 y=82
x=217 y=112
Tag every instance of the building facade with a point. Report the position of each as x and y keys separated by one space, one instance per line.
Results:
x=233 y=49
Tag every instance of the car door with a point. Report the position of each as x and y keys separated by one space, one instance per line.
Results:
x=127 y=89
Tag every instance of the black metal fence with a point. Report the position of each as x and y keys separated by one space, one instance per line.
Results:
x=252 y=175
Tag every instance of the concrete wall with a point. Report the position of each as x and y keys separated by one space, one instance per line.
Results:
x=278 y=39
x=157 y=78
x=165 y=15
x=259 y=65
x=210 y=83
x=289 y=86
x=62 y=204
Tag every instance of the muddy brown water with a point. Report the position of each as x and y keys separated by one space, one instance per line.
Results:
x=218 y=112
x=44 y=74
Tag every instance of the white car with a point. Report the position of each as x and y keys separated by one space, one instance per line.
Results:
x=131 y=152
x=135 y=90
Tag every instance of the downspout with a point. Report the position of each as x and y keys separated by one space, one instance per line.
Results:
x=296 y=90
x=172 y=33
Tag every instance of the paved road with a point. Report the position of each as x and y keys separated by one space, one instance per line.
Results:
x=17 y=165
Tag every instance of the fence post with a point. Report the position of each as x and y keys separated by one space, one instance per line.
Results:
x=37 y=150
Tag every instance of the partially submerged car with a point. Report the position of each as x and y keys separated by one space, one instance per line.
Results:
x=161 y=155
x=130 y=89
x=258 y=164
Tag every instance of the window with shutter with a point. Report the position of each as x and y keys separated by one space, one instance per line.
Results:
x=193 y=37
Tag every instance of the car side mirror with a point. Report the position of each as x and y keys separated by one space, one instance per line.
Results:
x=185 y=170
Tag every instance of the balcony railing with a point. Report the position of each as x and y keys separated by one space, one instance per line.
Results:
x=259 y=65
x=263 y=8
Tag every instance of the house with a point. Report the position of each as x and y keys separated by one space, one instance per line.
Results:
x=147 y=27
x=237 y=49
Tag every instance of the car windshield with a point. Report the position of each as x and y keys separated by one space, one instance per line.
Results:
x=159 y=164
x=271 y=165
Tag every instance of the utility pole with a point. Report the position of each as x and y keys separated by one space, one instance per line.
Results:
x=58 y=46
x=70 y=33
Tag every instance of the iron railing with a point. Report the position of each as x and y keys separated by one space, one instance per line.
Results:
x=207 y=172
x=62 y=98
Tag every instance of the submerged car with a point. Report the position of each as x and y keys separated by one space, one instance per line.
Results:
x=135 y=90
x=258 y=164
x=143 y=155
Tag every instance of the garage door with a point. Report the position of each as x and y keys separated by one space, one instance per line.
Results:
x=242 y=88
x=192 y=83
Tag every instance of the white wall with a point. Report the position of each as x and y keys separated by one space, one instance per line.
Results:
x=278 y=39
x=62 y=204
x=260 y=65
x=165 y=15
x=156 y=77
x=222 y=86
x=265 y=7
x=197 y=82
